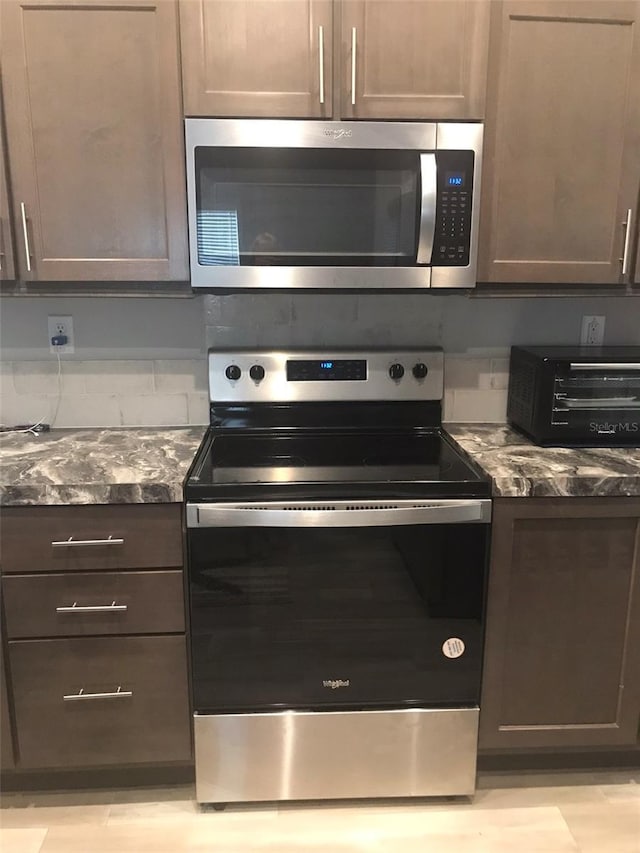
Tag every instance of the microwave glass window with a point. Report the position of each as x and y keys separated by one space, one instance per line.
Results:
x=265 y=206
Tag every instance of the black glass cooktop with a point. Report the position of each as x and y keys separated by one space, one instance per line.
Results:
x=330 y=462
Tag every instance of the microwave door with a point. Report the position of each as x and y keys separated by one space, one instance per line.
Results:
x=428 y=198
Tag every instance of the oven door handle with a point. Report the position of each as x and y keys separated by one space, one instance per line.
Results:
x=338 y=513
x=428 y=195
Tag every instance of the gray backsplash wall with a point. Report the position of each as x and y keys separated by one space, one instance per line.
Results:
x=141 y=361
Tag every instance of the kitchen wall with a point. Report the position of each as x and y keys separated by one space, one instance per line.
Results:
x=141 y=361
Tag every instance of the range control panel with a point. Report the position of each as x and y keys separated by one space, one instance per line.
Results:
x=452 y=238
x=254 y=376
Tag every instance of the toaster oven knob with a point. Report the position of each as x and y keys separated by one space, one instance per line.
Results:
x=420 y=370
x=256 y=372
x=396 y=371
x=233 y=372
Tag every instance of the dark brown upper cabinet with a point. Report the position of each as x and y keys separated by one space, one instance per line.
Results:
x=562 y=141
x=421 y=59
x=263 y=58
x=7 y=265
x=404 y=60
x=94 y=135
x=636 y=278
x=562 y=650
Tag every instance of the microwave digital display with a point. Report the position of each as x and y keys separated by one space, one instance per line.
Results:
x=454 y=179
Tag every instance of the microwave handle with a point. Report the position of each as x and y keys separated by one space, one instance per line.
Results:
x=428 y=196
x=605 y=365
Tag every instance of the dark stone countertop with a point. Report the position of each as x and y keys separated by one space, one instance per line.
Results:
x=149 y=464
x=96 y=466
x=520 y=468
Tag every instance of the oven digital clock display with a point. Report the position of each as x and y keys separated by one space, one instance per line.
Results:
x=340 y=370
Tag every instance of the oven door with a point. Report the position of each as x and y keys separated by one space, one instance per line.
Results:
x=337 y=605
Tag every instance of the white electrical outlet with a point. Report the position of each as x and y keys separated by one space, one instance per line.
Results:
x=592 y=332
x=61 y=326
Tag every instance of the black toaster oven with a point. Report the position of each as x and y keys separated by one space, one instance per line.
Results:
x=576 y=396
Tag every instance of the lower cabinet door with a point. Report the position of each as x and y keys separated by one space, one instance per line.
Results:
x=7 y=761
x=101 y=701
x=562 y=650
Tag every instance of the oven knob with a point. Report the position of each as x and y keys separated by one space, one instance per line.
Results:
x=396 y=371
x=256 y=372
x=233 y=372
x=420 y=370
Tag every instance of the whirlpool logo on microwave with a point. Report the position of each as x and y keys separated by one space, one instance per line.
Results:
x=335 y=683
x=338 y=132
x=611 y=428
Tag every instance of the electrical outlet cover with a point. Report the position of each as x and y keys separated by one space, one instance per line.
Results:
x=61 y=325
x=592 y=330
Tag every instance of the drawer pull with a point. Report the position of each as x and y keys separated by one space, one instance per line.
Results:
x=93 y=608
x=74 y=543
x=115 y=694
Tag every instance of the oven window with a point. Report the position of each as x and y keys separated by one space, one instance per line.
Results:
x=336 y=617
x=315 y=207
x=598 y=401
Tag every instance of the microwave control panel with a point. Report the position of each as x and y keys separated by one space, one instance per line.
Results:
x=452 y=237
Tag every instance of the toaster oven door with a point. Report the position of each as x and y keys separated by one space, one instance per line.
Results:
x=598 y=403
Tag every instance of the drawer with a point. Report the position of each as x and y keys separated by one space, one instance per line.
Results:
x=76 y=604
x=134 y=706
x=122 y=536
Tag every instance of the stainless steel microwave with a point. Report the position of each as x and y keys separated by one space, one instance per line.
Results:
x=333 y=205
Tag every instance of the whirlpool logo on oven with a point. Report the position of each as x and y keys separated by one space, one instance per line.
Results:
x=606 y=427
x=335 y=683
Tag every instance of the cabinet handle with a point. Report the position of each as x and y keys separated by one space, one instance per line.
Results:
x=75 y=543
x=115 y=694
x=627 y=241
x=93 y=608
x=27 y=250
x=321 y=61
x=353 y=66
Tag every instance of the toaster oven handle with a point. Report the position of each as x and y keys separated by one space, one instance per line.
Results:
x=339 y=513
x=428 y=196
x=605 y=365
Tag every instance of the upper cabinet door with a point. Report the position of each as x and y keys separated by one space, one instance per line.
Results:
x=261 y=58
x=94 y=133
x=7 y=267
x=636 y=279
x=562 y=141
x=414 y=59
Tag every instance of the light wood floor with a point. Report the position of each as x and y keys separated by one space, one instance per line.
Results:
x=537 y=813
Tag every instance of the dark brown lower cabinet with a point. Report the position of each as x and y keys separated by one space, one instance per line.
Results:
x=7 y=760
x=93 y=606
x=562 y=655
x=99 y=701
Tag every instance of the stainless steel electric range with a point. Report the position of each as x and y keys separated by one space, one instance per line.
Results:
x=337 y=558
